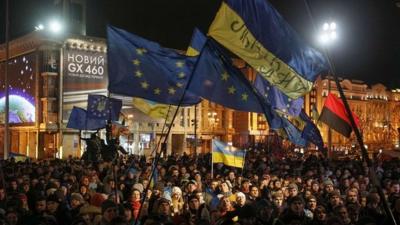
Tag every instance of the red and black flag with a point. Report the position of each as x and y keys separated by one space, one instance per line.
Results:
x=335 y=116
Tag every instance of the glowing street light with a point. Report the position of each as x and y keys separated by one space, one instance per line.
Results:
x=328 y=33
x=39 y=27
x=54 y=26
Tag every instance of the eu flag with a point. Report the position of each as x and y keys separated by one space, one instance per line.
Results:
x=79 y=120
x=277 y=99
x=102 y=107
x=217 y=80
x=257 y=33
x=141 y=68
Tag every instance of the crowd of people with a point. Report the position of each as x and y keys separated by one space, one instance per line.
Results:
x=271 y=189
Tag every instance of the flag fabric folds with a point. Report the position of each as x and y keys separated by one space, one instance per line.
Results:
x=79 y=120
x=154 y=109
x=102 y=107
x=292 y=133
x=197 y=43
x=141 y=68
x=257 y=33
x=226 y=154
x=276 y=98
x=310 y=131
x=217 y=80
x=314 y=113
x=335 y=116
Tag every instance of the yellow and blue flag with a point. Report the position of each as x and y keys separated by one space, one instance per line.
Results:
x=141 y=68
x=257 y=33
x=226 y=154
x=79 y=120
x=217 y=80
x=154 y=109
x=197 y=43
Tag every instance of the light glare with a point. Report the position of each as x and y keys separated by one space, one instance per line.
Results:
x=325 y=26
x=39 y=27
x=333 y=26
x=55 y=26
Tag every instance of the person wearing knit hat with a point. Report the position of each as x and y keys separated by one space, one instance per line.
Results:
x=295 y=213
x=109 y=211
x=293 y=189
x=139 y=187
x=77 y=202
x=58 y=209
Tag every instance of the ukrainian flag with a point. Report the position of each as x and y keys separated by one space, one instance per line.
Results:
x=257 y=33
x=226 y=154
x=154 y=109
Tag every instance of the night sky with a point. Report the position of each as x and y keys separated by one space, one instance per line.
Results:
x=369 y=32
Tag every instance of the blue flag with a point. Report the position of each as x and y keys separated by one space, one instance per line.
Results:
x=141 y=68
x=197 y=43
x=311 y=132
x=277 y=99
x=102 y=107
x=78 y=120
x=293 y=134
x=217 y=80
x=257 y=33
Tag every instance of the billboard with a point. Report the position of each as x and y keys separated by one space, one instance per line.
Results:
x=84 y=72
x=21 y=78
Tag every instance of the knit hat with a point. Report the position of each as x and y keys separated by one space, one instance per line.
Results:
x=164 y=200
x=139 y=187
x=53 y=198
x=78 y=197
x=293 y=186
x=107 y=204
x=89 y=209
x=193 y=196
x=328 y=182
x=295 y=199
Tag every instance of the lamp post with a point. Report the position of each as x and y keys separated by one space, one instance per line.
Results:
x=326 y=37
x=6 y=103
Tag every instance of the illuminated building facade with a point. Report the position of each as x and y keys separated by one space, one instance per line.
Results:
x=377 y=107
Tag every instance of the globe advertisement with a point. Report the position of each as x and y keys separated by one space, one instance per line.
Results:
x=21 y=78
x=84 y=72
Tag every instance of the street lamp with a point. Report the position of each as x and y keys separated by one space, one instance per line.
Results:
x=328 y=34
x=54 y=26
x=326 y=37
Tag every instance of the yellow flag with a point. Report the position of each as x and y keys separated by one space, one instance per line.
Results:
x=154 y=109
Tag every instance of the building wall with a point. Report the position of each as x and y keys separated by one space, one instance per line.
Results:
x=376 y=106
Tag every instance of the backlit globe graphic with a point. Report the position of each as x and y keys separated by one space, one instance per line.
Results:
x=21 y=110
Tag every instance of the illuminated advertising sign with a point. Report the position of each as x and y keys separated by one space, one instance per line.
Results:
x=21 y=78
x=84 y=72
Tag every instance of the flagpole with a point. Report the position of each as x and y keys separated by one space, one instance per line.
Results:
x=164 y=144
x=212 y=159
x=329 y=128
x=6 y=83
x=244 y=161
